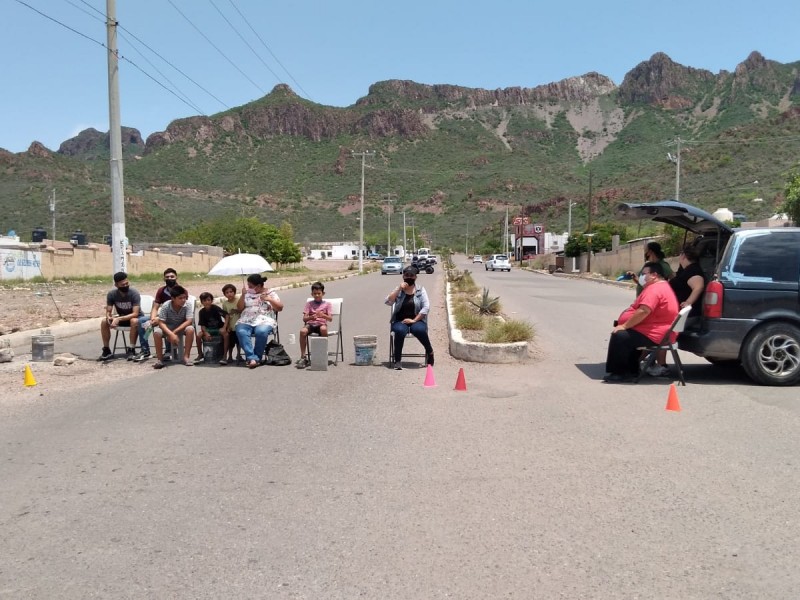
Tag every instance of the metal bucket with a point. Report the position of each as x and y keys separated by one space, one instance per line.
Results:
x=42 y=347
x=365 y=346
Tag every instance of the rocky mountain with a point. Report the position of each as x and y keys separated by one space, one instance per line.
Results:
x=450 y=151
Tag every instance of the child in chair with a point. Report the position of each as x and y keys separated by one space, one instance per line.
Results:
x=316 y=316
x=213 y=321
x=229 y=306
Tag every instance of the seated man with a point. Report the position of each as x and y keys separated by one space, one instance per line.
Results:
x=174 y=321
x=643 y=323
x=125 y=301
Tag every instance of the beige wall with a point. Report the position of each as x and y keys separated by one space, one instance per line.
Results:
x=91 y=262
x=628 y=257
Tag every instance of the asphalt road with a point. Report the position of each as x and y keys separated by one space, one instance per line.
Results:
x=539 y=481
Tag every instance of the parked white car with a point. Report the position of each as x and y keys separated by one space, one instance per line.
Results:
x=498 y=262
x=477 y=259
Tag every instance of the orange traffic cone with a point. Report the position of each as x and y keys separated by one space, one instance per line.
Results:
x=461 y=382
x=30 y=381
x=672 y=399
x=430 y=380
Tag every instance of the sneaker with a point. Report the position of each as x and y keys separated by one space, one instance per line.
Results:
x=141 y=357
x=130 y=354
x=199 y=359
x=429 y=359
x=301 y=363
x=397 y=366
x=223 y=362
x=658 y=371
x=106 y=354
x=167 y=357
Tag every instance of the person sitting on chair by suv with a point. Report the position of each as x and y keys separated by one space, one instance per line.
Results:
x=689 y=282
x=643 y=323
x=410 y=306
x=126 y=301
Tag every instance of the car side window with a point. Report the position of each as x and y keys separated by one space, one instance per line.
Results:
x=769 y=257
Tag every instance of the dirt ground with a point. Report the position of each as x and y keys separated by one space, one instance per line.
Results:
x=31 y=306
x=34 y=306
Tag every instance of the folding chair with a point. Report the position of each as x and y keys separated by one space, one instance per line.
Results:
x=145 y=305
x=334 y=330
x=649 y=359
x=405 y=352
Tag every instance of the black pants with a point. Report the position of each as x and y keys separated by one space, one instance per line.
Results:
x=623 y=356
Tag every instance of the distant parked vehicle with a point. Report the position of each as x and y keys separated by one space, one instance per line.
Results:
x=477 y=259
x=498 y=262
x=374 y=256
x=392 y=264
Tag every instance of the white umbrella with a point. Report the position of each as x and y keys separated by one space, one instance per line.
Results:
x=241 y=264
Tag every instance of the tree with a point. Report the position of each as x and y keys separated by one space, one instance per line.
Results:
x=791 y=206
x=245 y=235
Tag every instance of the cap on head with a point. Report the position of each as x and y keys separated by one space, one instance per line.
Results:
x=256 y=279
x=411 y=271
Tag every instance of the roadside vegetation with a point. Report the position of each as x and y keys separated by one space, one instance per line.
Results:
x=479 y=315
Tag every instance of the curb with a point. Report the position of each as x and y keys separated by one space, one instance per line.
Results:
x=513 y=352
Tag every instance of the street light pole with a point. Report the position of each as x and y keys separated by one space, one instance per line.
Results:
x=677 y=160
x=363 y=156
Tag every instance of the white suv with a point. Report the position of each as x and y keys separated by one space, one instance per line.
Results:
x=498 y=262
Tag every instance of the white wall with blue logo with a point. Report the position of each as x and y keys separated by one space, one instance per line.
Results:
x=20 y=264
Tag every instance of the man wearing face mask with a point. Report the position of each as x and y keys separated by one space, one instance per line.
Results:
x=643 y=323
x=125 y=301
x=163 y=295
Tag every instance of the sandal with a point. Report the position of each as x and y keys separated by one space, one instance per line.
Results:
x=252 y=364
x=158 y=365
x=188 y=362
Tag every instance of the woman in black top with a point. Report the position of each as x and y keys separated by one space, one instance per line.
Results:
x=689 y=282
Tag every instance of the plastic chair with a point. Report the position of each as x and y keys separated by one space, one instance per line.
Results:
x=145 y=305
x=334 y=330
x=678 y=325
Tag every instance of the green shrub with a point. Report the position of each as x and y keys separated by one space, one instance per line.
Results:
x=467 y=319
x=499 y=332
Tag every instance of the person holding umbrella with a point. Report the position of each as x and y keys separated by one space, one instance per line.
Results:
x=258 y=307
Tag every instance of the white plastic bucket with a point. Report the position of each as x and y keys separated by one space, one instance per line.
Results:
x=365 y=346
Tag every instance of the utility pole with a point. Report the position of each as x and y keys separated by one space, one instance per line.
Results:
x=53 y=214
x=388 y=198
x=405 y=244
x=677 y=160
x=590 y=234
x=363 y=156
x=118 y=239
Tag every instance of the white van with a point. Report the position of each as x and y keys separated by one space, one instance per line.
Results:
x=423 y=251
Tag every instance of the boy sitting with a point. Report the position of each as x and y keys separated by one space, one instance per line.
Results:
x=316 y=316
x=213 y=321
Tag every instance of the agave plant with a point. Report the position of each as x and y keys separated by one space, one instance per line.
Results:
x=487 y=305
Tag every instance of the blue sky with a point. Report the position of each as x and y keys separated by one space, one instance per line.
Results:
x=55 y=80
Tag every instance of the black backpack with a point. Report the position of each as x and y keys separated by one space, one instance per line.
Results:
x=276 y=356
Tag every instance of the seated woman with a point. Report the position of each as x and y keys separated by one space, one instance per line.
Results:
x=689 y=282
x=410 y=308
x=257 y=306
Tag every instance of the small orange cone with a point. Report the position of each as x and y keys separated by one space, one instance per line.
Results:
x=430 y=380
x=672 y=399
x=461 y=382
x=30 y=381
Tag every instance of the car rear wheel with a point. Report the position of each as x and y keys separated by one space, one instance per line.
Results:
x=771 y=354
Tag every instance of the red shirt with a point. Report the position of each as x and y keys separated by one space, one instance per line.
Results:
x=663 y=305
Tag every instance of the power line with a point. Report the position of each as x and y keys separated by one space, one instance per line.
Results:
x=206 y=38
x=246 y=43
x=263 y=43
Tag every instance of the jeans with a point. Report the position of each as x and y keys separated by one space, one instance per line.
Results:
x=419 y=330
x=244 y=334
x=143 y=337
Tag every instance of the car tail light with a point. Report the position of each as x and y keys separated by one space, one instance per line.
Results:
x=712 y=303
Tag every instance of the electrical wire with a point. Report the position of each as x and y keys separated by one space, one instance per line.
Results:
x=263 y=43
x=206 y=38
